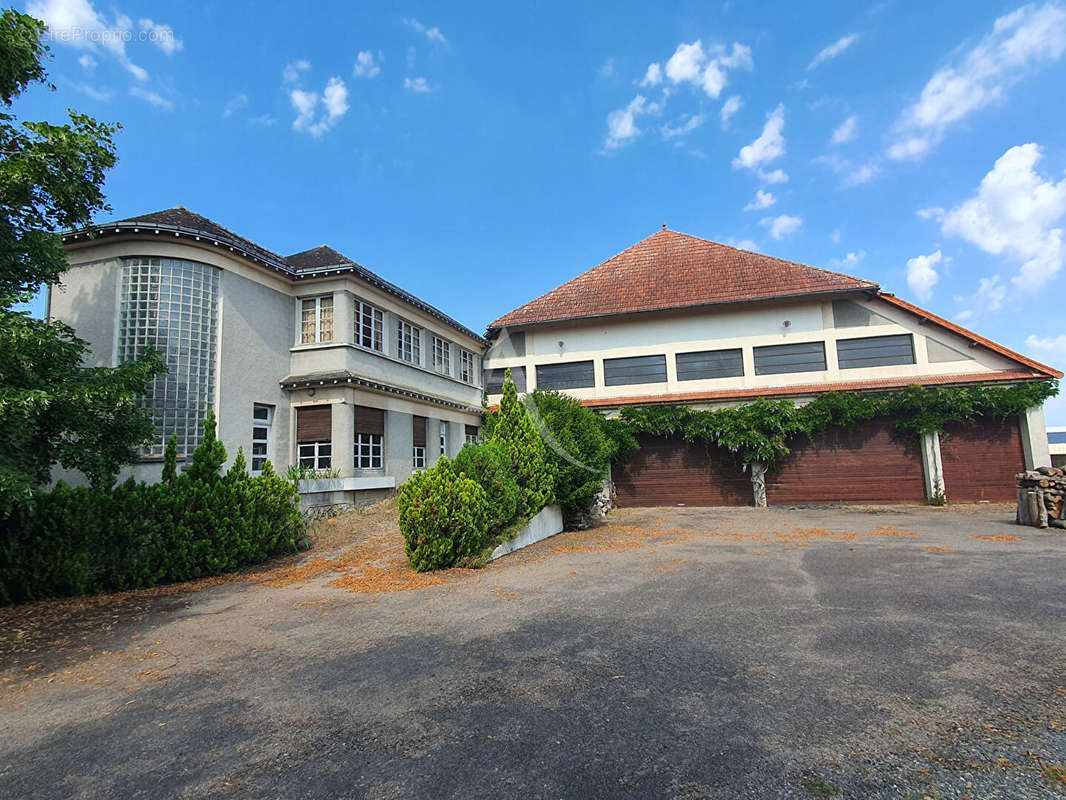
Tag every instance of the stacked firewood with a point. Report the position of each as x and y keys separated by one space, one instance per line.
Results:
x=1042 y=497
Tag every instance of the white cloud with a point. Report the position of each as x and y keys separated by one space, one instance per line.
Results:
x=416 y=85
x=922 y=275
x=433 y=34
x=365 y=65
x=622 y=123
x=653 y=76
x=162 y=36
x=965 y=314
x=770 y=144
x=1019 y=42
x=87 y=62
x=990 y=296
x=760 y=201
x=851 y=174
x=729 y=108
x=101 y=95
x=335 y=99
x=782 y=226
x=154 y=98
x=847 y=131
x=265 y=120
x=933 y=212
x=235 y=104
x=291 y=72
x=1017 y=213
x=333 y=102
x=1049 y=347
x=690 y=123
x=685 y=63
x=850 y=260
x=78 y=24
x=709 y=71
x=773 y=176
x=833 y=50
x=744 y=244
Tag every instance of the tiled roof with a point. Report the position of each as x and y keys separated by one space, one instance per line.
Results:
x=812 y=389
x=318 y=258
x=674 y=270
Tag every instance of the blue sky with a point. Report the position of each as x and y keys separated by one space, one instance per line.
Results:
x=481 y=154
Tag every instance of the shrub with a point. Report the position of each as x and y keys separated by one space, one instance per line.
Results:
x=489 y=466
x=578 y=448
x=526 y=451
x=443 y=517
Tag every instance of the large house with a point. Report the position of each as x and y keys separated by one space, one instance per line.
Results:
x=307 y=359
x=676 y=319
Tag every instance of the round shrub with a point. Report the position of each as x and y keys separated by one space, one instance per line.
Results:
x=443 y=517
x=489 y=465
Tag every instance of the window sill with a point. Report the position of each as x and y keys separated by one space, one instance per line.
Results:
x=347 y=484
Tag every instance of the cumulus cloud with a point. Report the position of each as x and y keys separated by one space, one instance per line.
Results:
x=850 y=260
x=706 y=69
x=1049 y=347
x=87 y=62
x=769 y=146
x=622 y=123
x=417 y=85
x=922 y=275
x=1018 y=43
x=762 y=200
x=782 y=226
x=1017 y=213
x=744 y=244
x=292 y=71
x=365 y=65
x=846 y=132
x=316 y=113
x=772 y=176
x=933 y=212
x=833 y=50
x=162 y=36
x=653 y=76
x=729 y=109
x=851 y=174
x=433 y=34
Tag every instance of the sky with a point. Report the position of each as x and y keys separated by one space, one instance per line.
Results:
x=480 y=154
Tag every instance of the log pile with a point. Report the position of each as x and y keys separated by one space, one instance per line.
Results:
x=1042 y=497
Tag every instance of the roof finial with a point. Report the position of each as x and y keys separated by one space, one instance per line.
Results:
x=664 y=226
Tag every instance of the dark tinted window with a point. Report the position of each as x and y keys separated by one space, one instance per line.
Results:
x=494 y=379
x=1057 y=437
x=710 y=364
x=779 y=358
x=638 y=369
x=575 y=375
x=875 y=351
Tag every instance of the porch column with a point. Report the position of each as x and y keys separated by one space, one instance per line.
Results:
x=1034 y=438
x=932 y=466
x=343 y=434
x=343 y=316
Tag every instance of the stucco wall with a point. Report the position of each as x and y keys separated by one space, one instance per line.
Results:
x=87 y=300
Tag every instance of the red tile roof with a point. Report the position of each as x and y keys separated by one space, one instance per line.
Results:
x=812 y=389
x=674 y=270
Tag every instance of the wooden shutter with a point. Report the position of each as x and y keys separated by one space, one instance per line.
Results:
x=419 y=425
x=314 y=424
x=471 y=430
x=369 y=420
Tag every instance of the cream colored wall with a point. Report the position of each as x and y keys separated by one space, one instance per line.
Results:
x=680 y=332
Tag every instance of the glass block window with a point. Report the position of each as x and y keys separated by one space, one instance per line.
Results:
x=369 y=326
x=262 y=419
x=442 y=355
x=467 y=367
x=408 y=342
x=172 y=306
x=316 y=319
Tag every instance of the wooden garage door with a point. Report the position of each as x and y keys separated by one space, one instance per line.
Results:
x=860 y=464
x=670 y=471
x=981 y=459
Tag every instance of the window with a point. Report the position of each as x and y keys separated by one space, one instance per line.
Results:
x=710 y=364
x=314 y=436
x=1056 y=437
x=369 y=326
x=875 y=351
x=316 y=455
x=780 y=358
x=471 y=434
x=442 y=355
x=408 y=342
x=494 y=379
x=575 y=375
x=369 y=438
x=418 y=425
x=316 y=319
x=467 y=367
x=262 y=419
x=443 y=438
x=638 y=369
x=172 y=306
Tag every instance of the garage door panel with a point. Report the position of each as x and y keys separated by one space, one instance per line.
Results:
x=669 y=471
x=981 y=459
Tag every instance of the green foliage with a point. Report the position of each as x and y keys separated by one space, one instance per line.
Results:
x=52 y=408
x=526 y=451
x=170 y=460
x=443 y=516
x=298 y=472
x=578 y=448
x=619 y=436
x=71 y=541
x=489 y=466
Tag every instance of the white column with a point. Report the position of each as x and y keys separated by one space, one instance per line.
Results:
x=343 y=433
x=343 y=316
x=1034 y=438
x=932 y=466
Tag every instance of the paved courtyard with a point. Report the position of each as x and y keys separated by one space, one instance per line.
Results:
x=677 y=653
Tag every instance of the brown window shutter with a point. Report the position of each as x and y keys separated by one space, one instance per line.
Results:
x=369 y=420
x=314 y=424
x=419 y=424
x=471 y=430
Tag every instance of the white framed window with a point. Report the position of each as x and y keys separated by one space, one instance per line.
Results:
x=369 y=326
x=467 y=366
x=443 y=438
x=418 y=461
x=316 y=319
x=262 y=419
x=408 y=342
x=471 y=434
x=442 y=355
x=369 y=451
x=316 y=455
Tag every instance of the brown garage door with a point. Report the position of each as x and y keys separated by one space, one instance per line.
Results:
x=669 y=471
x=860 y=464
x=981 y=459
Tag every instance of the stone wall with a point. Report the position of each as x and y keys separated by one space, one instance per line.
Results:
x=1042 y=497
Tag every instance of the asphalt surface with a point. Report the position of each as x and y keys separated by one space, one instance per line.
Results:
x=731 y=654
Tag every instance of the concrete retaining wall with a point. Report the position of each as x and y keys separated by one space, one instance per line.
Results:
x=548 y=522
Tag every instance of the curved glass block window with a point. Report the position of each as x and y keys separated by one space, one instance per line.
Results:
x=171 y=306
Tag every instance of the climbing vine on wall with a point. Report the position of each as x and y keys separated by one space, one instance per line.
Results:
x=761 y=431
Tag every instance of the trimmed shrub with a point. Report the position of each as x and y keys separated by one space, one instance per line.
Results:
x=442 y=516
x=526 y=451
x=489 y=465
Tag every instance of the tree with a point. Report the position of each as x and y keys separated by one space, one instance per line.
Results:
x=53 y=409
x=525 y=449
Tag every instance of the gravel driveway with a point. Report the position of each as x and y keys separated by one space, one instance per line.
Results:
x=678 y=653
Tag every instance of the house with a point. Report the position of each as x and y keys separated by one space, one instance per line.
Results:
x=307 y=359
x=676 y=319
x=1056 y=439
